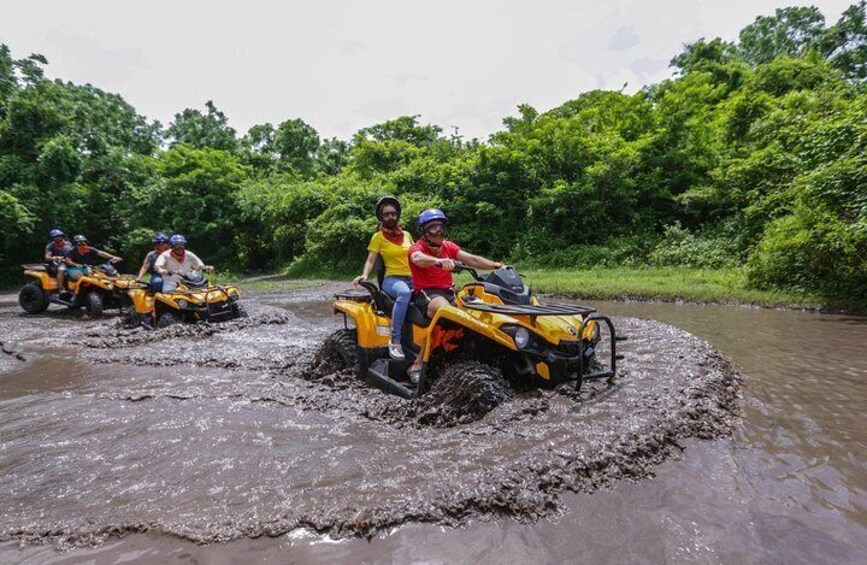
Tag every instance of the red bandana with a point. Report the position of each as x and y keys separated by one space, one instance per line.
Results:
x=179 y=256
x=396 y=236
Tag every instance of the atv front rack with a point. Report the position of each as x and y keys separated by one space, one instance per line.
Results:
x=548 y=309
x=583 y=374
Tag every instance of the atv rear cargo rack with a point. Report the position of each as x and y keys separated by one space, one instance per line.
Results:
x=548 y=309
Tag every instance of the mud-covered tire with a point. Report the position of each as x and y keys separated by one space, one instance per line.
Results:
x=93 y=304
x=338 y=352
x=238 y=311
x=32 y=299
x=167 y=319
x=463 y=392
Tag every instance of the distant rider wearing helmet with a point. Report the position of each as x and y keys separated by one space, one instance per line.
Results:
x=161 y=245
x=82 y=257
x=432 y=259
x=393 y=244
x=55 y=253
x=178 y=262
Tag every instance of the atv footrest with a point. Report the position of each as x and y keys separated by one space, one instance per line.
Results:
x=378 y=376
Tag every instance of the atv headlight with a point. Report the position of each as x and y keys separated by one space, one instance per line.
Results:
x=183 y=304
x=522 y=338
x=519 y=334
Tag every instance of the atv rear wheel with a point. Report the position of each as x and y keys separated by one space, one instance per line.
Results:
x=32 y=299
x=339 y=351
x=93 y=304
x=167 y=319
x=464 y=392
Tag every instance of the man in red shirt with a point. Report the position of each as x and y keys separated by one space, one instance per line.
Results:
x=432 y=260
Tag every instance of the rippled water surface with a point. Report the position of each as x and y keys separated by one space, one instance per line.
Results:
x=245 y=446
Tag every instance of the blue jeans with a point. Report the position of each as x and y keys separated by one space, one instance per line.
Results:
x=156 y=284
x=399 y=288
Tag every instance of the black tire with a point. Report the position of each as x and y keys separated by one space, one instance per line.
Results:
x=93 y=304
x=167 y=319
x=32 y=299
x=463 y=392
x=338 y=352
x=238 y=311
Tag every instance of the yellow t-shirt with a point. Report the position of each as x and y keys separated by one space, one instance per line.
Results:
x=394 y=256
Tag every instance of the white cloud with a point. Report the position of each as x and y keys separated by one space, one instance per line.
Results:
x=344 y=65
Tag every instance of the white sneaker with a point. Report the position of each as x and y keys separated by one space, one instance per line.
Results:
x=395 y=351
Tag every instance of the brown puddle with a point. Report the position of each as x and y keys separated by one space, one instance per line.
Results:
x=214 y=434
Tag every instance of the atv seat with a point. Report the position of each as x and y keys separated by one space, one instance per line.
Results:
x=385 y=302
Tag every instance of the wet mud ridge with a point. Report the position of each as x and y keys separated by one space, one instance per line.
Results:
x=216 y=432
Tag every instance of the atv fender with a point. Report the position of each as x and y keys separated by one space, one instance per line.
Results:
x=366 y=322
x=463 y=319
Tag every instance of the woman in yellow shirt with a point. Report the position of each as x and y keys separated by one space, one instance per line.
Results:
x=393 y=244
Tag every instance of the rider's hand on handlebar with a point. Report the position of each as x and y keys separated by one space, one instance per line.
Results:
x=207 y=268
x=446 y=264
x=358 y=279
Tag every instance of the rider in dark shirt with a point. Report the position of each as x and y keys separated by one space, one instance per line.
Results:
x=55 y=252
x=161 y=244
x=82 y=256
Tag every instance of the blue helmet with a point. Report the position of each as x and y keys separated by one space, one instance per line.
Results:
x=56 y=233
x=429 y=216
x=160 y=237
x=178 y=239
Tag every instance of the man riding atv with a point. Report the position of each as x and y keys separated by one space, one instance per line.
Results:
x=177 y=262
x=432 y=260
x=55 y=253
x=161 y=245
x=82 y=257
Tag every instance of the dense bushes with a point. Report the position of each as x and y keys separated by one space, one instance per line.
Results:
x=752 y=154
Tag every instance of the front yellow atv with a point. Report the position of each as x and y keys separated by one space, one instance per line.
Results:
x=496 y=323
x=195 y=299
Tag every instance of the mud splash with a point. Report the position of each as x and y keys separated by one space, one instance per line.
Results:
x=213 y=433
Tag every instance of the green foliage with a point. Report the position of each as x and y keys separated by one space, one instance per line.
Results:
x=751 y=154
x=199 y=130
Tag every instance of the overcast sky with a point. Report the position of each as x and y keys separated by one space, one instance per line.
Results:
x=342 y=65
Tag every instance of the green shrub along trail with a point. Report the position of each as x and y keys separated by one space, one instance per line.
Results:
x=741 y=178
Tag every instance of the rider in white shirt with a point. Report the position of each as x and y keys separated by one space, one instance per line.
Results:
x=177 y=261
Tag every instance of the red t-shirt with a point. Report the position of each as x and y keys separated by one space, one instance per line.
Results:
x=432 y=277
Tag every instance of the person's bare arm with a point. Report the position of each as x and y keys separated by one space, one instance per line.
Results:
x=105 y=255
x=425 y=260
x=365 y=271
x=477 y=262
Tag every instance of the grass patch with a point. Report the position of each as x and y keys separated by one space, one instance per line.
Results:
x=665 y=284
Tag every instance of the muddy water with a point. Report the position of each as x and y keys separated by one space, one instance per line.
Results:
x=220 y=434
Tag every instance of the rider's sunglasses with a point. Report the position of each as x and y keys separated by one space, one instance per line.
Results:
x=437 y=232
x=82 y=244
x=389 y=214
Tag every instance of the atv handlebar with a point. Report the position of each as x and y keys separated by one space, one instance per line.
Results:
x=460 y=267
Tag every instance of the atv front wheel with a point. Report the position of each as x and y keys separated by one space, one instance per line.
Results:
x=32 y=299
x=238 y=311
x=93 y=304
x=464 y=392
x=339 y=351
x=167 y=319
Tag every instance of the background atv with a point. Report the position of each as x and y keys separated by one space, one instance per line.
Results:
x=95 y=291
x=195 y=299
x=496 y=338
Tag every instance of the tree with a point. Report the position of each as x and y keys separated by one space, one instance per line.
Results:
x=790 y=31
x=199 y=130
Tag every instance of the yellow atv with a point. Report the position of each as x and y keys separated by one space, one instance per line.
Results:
x=195 y=299
x=99 y=289
x=497 y=328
